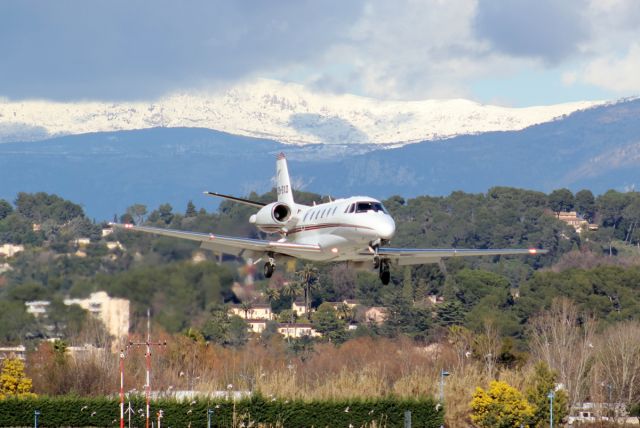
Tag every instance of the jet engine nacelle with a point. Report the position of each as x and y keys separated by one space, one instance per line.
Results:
x=274 y=217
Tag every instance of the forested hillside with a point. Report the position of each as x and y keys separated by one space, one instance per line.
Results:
x=159 y=272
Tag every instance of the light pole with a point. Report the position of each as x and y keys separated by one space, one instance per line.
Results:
x=209 y=416
x=36 y=413
x=550 y=396
x=443 y=374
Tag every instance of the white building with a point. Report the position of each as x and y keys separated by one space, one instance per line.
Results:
x=113 y=312
x=297 y=330
x=10 y=250
x=257 y=312
x=37 y=308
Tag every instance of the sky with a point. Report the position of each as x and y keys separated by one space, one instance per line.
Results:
x=505 y=52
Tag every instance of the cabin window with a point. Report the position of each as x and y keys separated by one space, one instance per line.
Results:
x=350 y=209
x=363 y=207
x=305 y=216
x=334 y=210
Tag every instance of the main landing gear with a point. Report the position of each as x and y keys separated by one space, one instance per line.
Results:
x=379 y=263
x=269 y=267
x=385 y=274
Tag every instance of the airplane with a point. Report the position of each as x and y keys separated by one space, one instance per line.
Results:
x=357 y=230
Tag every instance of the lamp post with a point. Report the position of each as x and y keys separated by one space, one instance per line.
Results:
x=551 y=396
x=36 y=413
x=443 y=374
x=209 y=416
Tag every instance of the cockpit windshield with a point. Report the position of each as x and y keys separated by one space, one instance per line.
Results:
x=363 y=207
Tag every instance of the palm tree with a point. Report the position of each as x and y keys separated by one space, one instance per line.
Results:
x=309 y=279
x=345 y=312
x=272 y=294
x=291 y=289
x=246 y=308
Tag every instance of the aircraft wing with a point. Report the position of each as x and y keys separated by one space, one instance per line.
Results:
x=417 y=256
x=236 y=199
x=242 y=247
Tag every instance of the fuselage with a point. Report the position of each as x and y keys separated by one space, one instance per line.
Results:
x=343 y=228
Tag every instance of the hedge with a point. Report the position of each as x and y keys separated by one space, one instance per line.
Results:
x=253 y=411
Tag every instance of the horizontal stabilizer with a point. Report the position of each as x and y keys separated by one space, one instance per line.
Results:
x=235 y=199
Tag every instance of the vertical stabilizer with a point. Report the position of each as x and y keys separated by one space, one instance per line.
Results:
x=283 y=184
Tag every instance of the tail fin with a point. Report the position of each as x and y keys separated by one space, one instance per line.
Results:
x=283 y=184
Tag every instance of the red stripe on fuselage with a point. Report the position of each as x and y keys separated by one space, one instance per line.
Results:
x=312 y=227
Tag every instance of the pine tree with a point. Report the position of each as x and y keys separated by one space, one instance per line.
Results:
x=407 y=285
x=191 y=210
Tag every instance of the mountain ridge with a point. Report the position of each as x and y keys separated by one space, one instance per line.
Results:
x=597 y=149
x=285 y=112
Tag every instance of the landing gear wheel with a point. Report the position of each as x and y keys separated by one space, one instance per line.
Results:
x=385 y=274
x=385 y=277
x=268 y=269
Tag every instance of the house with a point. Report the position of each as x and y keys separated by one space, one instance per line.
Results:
x=82 y=242
x=375 y=315
x=19 y=352
x=10 y=250
x=435 y=299
x=578 y=223
x=297 y=330
x=37 y=308
x=257 y=311
x=299 y=308
x=113 y=245
x=256 y=325
x=601 y=412
x=349 y=302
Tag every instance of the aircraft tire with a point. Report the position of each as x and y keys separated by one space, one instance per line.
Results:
x=385 y=277
x=268 y=270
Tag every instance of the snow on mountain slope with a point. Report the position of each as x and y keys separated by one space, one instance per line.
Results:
x=284 y=112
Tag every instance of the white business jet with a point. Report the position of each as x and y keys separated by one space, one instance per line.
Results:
x=356 y=230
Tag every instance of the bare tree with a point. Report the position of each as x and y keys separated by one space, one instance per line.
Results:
x=563 y=338
x=618 y=359
x=487 y=346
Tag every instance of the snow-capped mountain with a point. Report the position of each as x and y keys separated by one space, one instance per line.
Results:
x=284 y=112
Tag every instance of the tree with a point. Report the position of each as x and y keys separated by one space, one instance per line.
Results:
x=563 y=338
x=325 y=320
x=501 y=406
x=5 y=209
x=309 y=279
x=561 y=200
x=13 y=380
x=165 y=213
x=137 y=212
x=586 y=204
x=191 y=210
x=237 y=331
x=246 y=307
x=544 y=381
x=407 y=284
x=450 y=313
x=618 y=355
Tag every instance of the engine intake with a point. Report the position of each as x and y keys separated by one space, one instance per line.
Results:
x=281 y=213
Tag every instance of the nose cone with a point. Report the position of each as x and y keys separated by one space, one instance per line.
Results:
x=386 y=228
